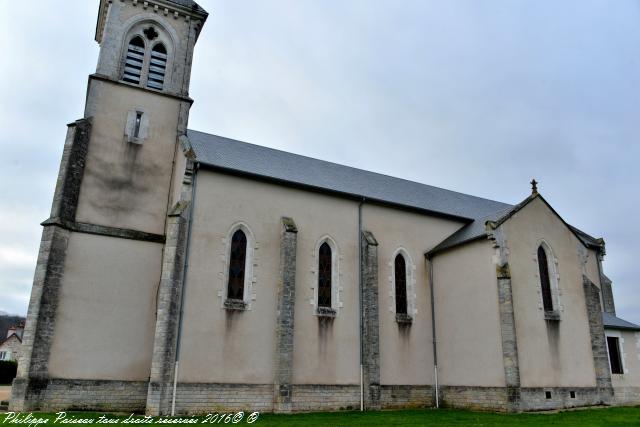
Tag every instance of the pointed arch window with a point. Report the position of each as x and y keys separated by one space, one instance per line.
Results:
x=157 y=67
x=237 y=265
x=324 y=275
x=400 y=267
x=545 y=280
x=134 y=60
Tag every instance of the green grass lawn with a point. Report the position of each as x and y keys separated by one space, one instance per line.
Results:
x=610 y=417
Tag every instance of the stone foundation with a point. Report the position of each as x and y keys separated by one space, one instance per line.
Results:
x=476 y=398
x=202 y=398
x=84 y=395
x=321 y=397
x=626 y=395
x=524 y=399
x=406 y=396
x=535 y=398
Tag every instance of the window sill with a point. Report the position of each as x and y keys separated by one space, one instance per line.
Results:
x=404 y=319
x=552 y=315
x=326 y=312
x=235 y=304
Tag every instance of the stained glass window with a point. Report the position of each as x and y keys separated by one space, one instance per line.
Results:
x=324 y=276
x=235 y=289
x=401 y=284
x=545 y=283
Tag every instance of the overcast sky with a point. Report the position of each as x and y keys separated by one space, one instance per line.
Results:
x=474 y=96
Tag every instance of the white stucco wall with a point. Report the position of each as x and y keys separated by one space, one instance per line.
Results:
x=223 y=346
x=105 y=322
x=467 y=317
x=127 y=185
x=630 y=355
x=551 y=353
x=406 y=353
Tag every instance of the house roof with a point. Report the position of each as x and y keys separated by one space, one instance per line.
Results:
x=9 y=337
x=249 y=159
x=610 y=321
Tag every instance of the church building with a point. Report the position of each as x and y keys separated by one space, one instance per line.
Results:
x=181 y=272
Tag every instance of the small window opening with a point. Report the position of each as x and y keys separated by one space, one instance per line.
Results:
x=136 y=129
x=615 y=361
x=157 y=67
x=547 y=394
x=572 y=394
x=134 y=60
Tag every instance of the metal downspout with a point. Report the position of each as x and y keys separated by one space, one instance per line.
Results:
x=360 y=301
x=433 y=330
x=196 y=166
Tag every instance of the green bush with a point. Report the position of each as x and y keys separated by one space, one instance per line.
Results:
x=8 y=369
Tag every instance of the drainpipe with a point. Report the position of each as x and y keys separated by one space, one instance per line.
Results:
x=433 y=329
x=196 y=166
x=360 y=302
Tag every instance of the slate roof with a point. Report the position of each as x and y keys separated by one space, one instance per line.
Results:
x=255 y=160
x=189 y=4
x=612 y=322
x=281 y=166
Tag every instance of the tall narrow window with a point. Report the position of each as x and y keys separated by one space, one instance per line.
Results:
x=401 y=284
x=545 y=282
x=235 y=287
x=324 y=276
x=157 y=67
x=614 y=355
x=134 y=60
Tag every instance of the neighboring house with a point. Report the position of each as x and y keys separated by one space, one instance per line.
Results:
x=185 y=270
x=12 y=343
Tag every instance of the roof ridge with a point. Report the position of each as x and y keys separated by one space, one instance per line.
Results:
x=507 y=205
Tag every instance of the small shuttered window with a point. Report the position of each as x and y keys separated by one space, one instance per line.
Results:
x=545 y=282
x=134 y=60
x=157 y=67
x=400 y=268
x=237 y=263
x=324 y=276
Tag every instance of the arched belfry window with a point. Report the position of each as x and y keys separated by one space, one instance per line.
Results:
x=545 y=280
x=237 y=265
x=400 y=267
x=157 y=67
x=324 y=275
x=134 y=60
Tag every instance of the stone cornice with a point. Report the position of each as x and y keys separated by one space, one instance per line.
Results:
x=158 y=6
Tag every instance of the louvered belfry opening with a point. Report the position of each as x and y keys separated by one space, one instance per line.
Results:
x=401 y=284
x=324 y=276
x=237 y=261
x=545 y=282
x=134 y=61
x=157 y=67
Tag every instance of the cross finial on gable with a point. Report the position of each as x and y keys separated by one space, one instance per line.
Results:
x=534 y=187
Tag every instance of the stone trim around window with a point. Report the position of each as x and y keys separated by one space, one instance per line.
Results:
x=412 y=311
x=251 y=263
x=554 y=279
x=336 y=275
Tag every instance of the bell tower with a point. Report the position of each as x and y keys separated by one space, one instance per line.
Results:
x=91 y=324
